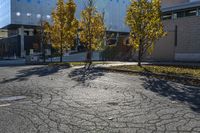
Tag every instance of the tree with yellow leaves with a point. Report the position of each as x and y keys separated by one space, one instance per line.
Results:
x=92 y=29
x=43 y=37
x=144 y=20
x=63 y=29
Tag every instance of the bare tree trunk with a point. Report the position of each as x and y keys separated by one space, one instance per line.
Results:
x=51 y=53
x=90 y=40
x=90 y=54
x=43 y=52
x=61 y=47
x=88 y=59
x=61 y=54
x=140 y=53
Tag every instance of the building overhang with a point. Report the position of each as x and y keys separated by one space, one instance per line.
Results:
x=15 y=26
x=183 y=6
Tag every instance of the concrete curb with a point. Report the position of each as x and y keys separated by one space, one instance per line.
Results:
x=152 y=74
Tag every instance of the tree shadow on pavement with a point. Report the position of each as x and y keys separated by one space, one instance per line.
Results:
x=82 y=75
x=39 y=71
x=176 y=92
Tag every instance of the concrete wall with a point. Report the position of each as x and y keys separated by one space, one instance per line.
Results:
x=168 y=3
x=188 y=40
x=164 y=48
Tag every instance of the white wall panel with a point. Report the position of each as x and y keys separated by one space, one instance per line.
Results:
x=193 y=57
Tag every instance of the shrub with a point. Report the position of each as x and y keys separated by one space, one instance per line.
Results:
x=117 y=53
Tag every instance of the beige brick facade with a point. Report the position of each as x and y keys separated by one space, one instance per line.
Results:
x=188 y=40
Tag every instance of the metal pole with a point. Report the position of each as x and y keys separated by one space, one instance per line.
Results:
x=176 y=36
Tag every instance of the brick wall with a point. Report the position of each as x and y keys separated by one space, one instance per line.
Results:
x=188 y=39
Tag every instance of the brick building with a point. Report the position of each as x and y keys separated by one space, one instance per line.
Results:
x=181 y=20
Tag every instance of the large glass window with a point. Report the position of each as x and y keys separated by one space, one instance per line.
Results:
x=167 y=16
x=180 y=14
x=192 y=12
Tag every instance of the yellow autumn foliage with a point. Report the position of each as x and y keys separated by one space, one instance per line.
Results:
x=92 y=28
x=64 y=26
x=146 y=27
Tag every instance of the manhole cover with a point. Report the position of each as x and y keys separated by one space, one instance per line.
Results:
x=13 y=98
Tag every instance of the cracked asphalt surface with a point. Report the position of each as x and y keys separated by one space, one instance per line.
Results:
x=59 y=100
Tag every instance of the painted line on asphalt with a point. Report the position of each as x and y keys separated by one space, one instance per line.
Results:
x=5 y=105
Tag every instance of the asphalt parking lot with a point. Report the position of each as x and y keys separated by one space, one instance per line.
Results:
x=38 y=99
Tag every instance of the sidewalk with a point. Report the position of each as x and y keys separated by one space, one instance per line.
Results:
x=17 y=62
x=118 y=63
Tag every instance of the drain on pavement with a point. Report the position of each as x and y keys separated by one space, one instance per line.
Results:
x=111 y=118
x=13 y=98
x=113 y=103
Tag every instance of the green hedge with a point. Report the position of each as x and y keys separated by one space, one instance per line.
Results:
x=117 y=52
